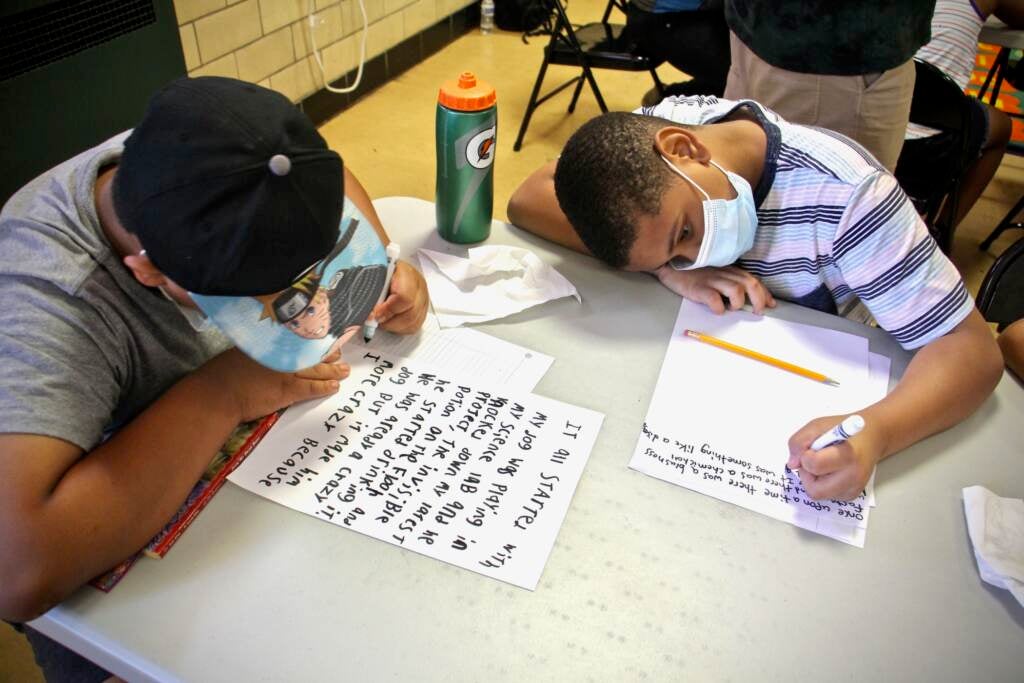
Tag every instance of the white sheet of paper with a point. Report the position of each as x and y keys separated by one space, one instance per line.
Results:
x=464 y=354
x=492 y=282
x=719 y=422
x=471 y=475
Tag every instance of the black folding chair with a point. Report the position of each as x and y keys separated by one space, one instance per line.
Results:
x=599 y=45
x=1001 y=296
x=1006 y=224
x=929 y=181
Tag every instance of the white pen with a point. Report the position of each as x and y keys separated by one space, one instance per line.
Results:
x=841 y=432
x=370 y=326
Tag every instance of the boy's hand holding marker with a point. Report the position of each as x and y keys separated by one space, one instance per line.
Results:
x=840 y=467
x=405 y=307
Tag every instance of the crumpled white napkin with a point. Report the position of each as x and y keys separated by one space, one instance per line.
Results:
x=996 y=527
x=493 y=282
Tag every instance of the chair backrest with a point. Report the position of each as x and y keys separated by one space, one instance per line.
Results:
x=1001 y=296
x=601 y=44
x=938 y=102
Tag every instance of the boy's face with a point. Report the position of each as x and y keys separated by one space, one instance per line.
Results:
x=678 y=228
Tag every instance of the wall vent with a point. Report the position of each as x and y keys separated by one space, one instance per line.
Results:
x=40 y=36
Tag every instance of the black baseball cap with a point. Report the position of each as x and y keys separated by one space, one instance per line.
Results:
x=235 y=196
x=229 y=187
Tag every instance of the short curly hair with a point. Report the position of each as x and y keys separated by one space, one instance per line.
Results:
x=610 y=173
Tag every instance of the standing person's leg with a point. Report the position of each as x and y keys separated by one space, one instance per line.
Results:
x=794 y=96
x=880 y=122
x=872 y=109
x=736 y=87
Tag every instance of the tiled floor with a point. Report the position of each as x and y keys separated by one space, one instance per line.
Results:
x=387 y=140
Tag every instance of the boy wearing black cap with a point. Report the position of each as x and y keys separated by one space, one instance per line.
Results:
x=127 y=275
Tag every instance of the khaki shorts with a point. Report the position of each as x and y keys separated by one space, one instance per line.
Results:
x=872 y=108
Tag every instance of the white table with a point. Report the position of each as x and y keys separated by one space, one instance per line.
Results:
x=996 y=32
x=647 y=581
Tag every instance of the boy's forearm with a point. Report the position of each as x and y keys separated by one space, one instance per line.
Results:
x=358 y=195
x=534 y=208
x=945 y=382
x=112 y=501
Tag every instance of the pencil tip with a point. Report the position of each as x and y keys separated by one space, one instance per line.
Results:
x=831 y=382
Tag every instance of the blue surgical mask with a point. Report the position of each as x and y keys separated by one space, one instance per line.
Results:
x=729 y=224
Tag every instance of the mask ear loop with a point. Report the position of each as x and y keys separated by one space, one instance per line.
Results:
x=677 y=171
x=674 y=262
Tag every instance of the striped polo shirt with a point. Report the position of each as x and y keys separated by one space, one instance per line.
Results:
x=835 y=231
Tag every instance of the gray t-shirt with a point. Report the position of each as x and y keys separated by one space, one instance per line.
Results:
x=84 y=346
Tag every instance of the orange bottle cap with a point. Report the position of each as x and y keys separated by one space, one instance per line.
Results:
x=467 y=93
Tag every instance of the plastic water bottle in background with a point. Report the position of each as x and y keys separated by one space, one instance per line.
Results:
x=465 y=132
x=486 y=16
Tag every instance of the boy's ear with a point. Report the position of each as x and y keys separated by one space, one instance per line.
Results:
x=144 y=270
x=681 y=143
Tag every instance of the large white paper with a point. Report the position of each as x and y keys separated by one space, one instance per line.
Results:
x=471 y=475
x=719 y=423
x=493 y=282
x=464 y=354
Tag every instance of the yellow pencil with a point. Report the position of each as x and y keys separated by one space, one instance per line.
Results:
x=722 y=344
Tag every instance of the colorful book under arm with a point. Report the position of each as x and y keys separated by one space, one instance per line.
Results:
x=232 y=453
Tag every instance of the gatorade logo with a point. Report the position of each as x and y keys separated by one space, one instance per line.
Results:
x=480 y=148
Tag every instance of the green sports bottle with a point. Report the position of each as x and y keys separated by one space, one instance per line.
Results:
x=465 y=130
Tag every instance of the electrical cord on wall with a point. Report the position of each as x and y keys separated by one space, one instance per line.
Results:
x=319 y=60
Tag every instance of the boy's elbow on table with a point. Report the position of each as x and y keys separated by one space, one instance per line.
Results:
x=979 y=358
x=528 y=205
x=992 y=367
x=515 y=209
x=961 y=372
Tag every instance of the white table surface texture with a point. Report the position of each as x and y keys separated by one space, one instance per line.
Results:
x=647 y=581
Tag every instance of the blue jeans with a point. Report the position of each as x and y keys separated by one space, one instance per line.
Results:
x=58 y=663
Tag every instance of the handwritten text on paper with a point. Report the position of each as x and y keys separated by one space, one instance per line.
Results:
x=466 y=475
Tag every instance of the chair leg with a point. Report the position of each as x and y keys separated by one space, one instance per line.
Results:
x=945 y=227
x=995 y=89
x=657 y=83
x=576 y=94
x=1004 y=225
x=988 y=77
x=589 y=75
x=531 y=104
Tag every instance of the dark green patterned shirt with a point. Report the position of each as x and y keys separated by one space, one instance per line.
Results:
x=834 y=37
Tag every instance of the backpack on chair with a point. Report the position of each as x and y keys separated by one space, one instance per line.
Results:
x=519 y=15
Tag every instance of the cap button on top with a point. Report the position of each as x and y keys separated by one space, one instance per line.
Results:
x=280 y=165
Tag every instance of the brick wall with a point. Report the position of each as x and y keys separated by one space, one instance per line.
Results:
x=268 y=42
